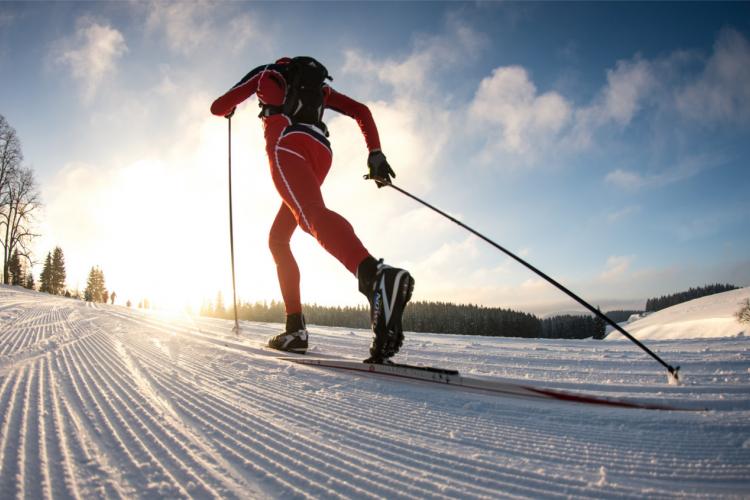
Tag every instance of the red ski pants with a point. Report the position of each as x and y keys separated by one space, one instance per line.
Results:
x=299 y=164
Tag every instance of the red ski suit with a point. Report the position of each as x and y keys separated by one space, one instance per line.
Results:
x=300 y=157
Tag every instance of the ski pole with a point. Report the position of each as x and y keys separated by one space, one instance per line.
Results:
x=674 y=371
x=236 y=328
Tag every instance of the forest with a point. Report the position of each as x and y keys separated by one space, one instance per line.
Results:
x=659 y=303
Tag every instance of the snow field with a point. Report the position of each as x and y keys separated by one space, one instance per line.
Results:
x=108 y=402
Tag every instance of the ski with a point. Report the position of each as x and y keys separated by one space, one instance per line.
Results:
x=453 y=378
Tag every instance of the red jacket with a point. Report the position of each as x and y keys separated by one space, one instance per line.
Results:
x=269 y=84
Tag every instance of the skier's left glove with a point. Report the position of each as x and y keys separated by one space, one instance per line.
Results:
x=380 y=170
x=231 y=113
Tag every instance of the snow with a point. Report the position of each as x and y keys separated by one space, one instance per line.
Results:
x=104 y=401
x=707 y=317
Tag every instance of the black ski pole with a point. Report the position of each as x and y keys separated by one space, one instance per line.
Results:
x=674 y=371
x=236 y=328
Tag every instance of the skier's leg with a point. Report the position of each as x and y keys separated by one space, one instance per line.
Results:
x=286 y=266
x=294 y=338
x=294 y=175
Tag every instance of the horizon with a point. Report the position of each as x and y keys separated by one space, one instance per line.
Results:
x=599 y=142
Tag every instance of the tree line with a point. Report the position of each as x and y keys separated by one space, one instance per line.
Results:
x=464 y=319
x=659 y=303
x=428 y=317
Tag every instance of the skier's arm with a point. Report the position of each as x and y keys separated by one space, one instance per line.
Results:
x=380 y=170
x=360 y=112
x=246 y=87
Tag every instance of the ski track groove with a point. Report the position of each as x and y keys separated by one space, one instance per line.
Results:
x=471 y=474
x=228 y=409
x=332 y=461
x=376 y=448
x=11 y=439
x=137 y=430
x=58 y=442
x=104 y=423
x=160 y=433
x=92 y=409
x=542 y=452
x=92 y=450
x=236 y=394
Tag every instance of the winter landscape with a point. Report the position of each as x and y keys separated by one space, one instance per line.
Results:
x=106 y=401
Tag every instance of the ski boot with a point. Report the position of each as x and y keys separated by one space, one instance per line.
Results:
x=294 y=338
x=388 y=293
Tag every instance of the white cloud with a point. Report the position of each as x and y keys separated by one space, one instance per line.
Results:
x=415 y=74
x=92 y=54
x=628 y=86
x=722 y=91
x=525 y=123
x=508 y=100
x=621 y=214
x=189 y=26
x=684 y=169
x=617 y=266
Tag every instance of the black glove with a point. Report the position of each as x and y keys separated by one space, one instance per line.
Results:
x=380 y=171
x=231 y=113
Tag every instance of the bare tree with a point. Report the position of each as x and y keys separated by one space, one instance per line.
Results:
x=17 y=217
x=10 y=156
x=19 y=199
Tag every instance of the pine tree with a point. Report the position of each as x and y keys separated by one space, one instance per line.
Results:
x=95 y=288
x=30 y=284
x=15 y=270
x=46 y=276
x=600 y=326
x=57 y=276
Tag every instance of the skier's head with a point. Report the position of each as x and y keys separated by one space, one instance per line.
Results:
x=284 y=60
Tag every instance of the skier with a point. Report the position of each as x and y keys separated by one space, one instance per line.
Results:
x=292 y=94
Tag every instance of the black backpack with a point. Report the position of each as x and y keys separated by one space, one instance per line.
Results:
x=303 y=103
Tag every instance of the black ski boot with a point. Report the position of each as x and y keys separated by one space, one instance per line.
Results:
x=294 y=339
x=388 y=290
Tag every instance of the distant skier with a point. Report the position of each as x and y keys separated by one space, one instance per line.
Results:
x=293 y=93
x=112 y=297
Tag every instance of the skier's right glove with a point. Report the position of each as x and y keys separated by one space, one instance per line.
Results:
x=231 y=113
x=380 y=170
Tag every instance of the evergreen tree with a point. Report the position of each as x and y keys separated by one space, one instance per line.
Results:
x=46 y=276
x=15 y=270
x=57 y=275
x=30 y=284
x=95 y=288
x=659 y=303
x=600 y=326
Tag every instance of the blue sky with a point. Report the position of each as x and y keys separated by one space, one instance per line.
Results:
x=607 y=143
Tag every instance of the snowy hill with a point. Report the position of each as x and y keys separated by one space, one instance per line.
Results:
x=707 y=317
x=104 y=401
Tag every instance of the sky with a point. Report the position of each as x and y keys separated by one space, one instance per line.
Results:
x=605 y=143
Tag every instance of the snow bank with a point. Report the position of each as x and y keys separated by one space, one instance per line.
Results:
x=706 y=317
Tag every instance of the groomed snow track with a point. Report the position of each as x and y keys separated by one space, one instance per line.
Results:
x=103 y=401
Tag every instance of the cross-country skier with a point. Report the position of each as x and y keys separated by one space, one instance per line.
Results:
x=293 y=94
